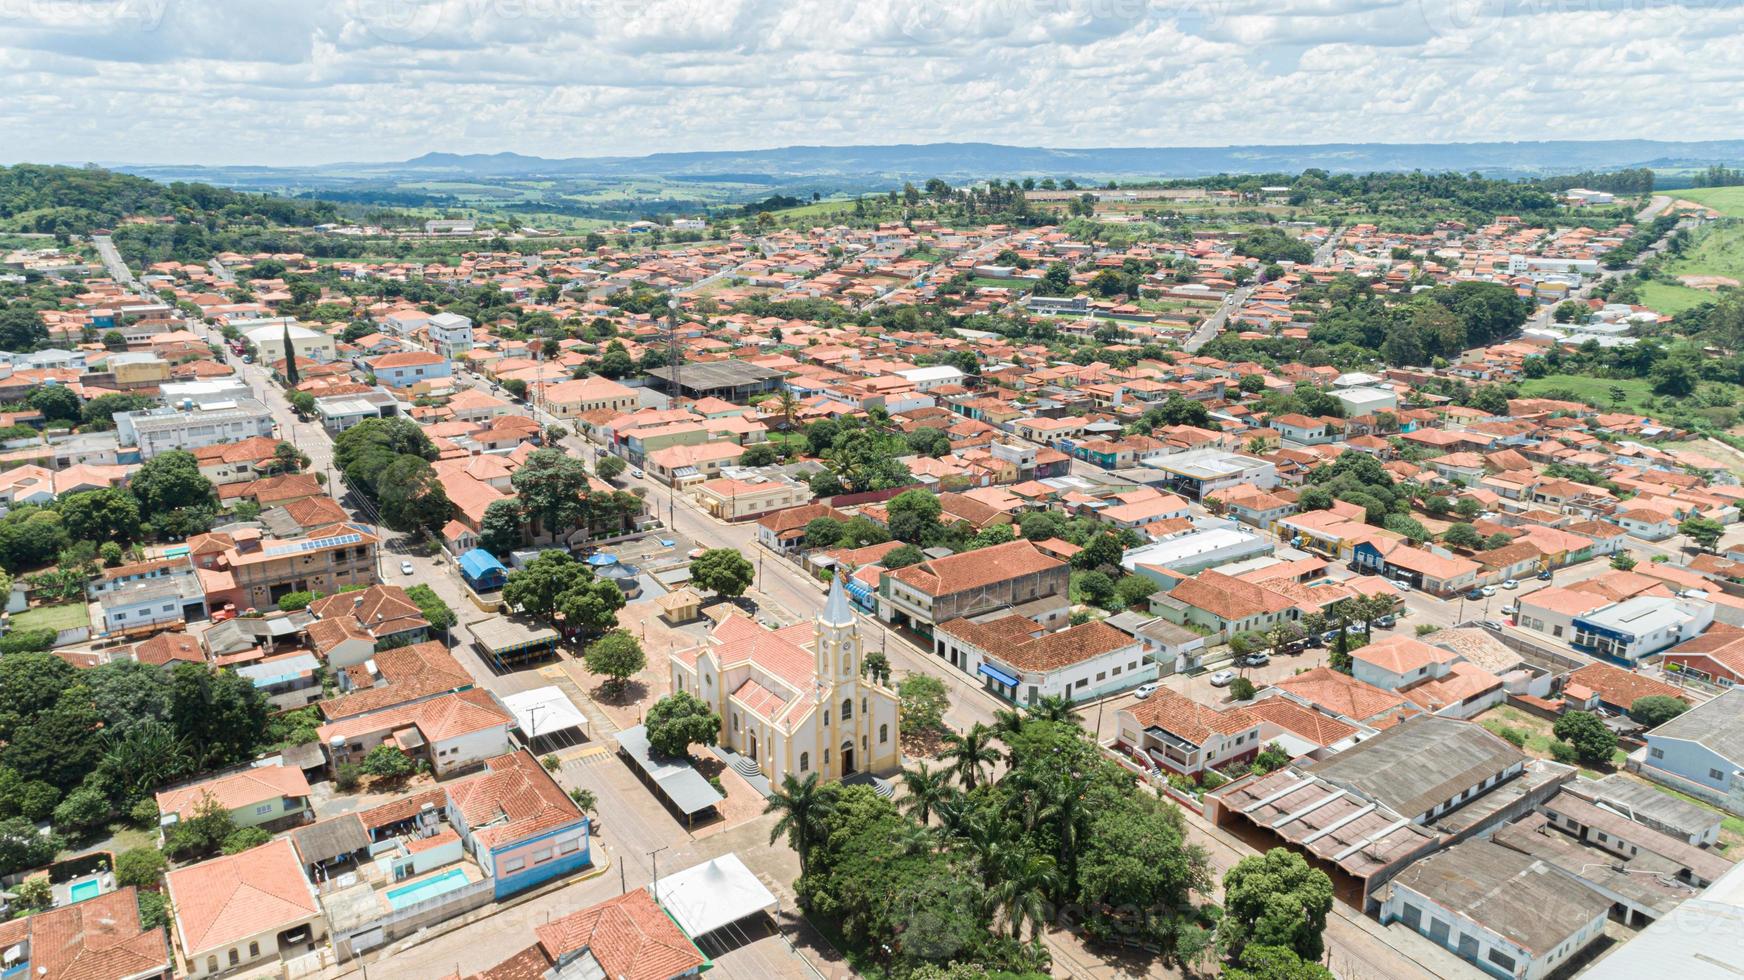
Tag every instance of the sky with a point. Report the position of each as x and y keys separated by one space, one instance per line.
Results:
x=284 y=82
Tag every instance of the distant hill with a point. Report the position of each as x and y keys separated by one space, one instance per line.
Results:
x=989 y=159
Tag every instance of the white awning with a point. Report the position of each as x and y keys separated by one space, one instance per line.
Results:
x=544 y=711
x=713 y=894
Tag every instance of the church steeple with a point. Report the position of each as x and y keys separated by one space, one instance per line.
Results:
x=838 y=639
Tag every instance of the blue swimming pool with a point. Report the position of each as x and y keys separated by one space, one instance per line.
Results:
x=427 y=889
x=81 y=890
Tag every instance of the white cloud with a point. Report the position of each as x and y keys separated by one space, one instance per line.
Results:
x=222 y=81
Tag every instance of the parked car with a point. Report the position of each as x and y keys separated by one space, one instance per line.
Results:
x=1511 y=584
x=1544 y=576
x=1354 y=629
x=637 y=472
x=1223 y=678
x=1258 y=658
x=1329 y=636
x=1145 y=690
x=1476 y=595
x=405 y=568
x=1493 y=624
x=1488 y=590
x=1402 y=585
x=1387 y=621
x=1510 y=609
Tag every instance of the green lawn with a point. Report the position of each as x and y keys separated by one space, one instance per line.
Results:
x=66 y=616
x=1636 y=392
x=1726 y=200
x=1664 y=297
x=983 y=282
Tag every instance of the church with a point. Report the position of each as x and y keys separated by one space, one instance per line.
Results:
x=793 y=700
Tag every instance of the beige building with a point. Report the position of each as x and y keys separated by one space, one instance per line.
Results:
x=245 y=910
x=738 y=500
x=571 y=398
x=794 y=700
x=261 y=571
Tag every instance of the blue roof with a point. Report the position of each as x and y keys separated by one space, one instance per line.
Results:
x=478 y=562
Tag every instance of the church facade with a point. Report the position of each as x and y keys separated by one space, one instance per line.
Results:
x=794 y=699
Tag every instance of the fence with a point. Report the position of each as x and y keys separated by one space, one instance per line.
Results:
x=404 y=921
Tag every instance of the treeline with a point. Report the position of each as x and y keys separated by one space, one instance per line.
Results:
x=1636 y=180
x=1442 y=322
x=77 y=201
x=1717 y=176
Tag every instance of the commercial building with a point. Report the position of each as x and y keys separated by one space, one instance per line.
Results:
x=1197 y=472
x=450 y=334
x=1701 y=752
x=1014 y=577
x=1639 y=626
x=1018 y=660
x=160 y=430
x=256 y=572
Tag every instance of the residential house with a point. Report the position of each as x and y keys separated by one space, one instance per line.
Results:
x=274 y=797
x=630 y=937
x=1701 y=752
x=410 y=369
x=453 y=732
x=243 y=910
x=1171 y=732
x=98 y=938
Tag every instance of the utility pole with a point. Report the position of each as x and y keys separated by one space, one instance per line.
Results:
x=655 y=856
x=674 y=355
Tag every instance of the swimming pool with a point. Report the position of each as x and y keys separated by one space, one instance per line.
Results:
x=81 y=890
x=427 y=889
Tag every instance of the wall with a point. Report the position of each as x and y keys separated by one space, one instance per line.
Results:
x=508 y=882
x=412 y=918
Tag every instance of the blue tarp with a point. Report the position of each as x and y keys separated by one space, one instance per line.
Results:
x=998 y=675
x=482 y=569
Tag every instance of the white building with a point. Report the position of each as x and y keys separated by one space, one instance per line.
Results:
x=1201 y=548
x=1366 y=401
x=928 y=378
x=1197 y=472
x=450 y=334
x=1506 y=912
x=1019 y=660
x=790 y=709
x=1643 y=625
x=269 y=336
x=159 y=430
x=1701 y=752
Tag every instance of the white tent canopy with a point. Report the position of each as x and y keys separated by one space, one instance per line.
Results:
x=544 y=711
x=716 y=893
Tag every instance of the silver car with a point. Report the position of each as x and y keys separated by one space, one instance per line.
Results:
x=1223 y=678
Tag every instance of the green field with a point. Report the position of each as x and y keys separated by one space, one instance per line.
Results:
x=1726 y=200
x=1718 y=251
x=1637 y=394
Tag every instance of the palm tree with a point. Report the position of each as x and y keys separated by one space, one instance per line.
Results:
x=1066 y=812
x=1025 y=882
x=789 y=403
x=923 y=790
x=803 y=805
x=1054 y=707
x=584 y=799
x=913 y=839
x=984 y=837
x=969 y=751
x=1008 y=723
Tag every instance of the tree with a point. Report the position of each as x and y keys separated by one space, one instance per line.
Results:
x=1593 y=742
x=1096 y=589
x=924 y=700
x=1498 y=540
x=902 y=557
x=1468 y=507
x=1271 y=758
x=610 y=467
x=411 y=497
x=107 y=515
x=876 y=666
x=245 y=838
x=84 y=810
x=552 y=486
x=536 y=588
x=140 y=867
x=913 y=517
x=56 y=403
x=500 y=531
x=22 y=847
x=823 y=532
x=861 y=460
x=171 y=481
x=1274 y=963
x=722 y=571
x=1656 y=709
x=1104 y=550
x=680 y=720
x=803 y=805
x=969 y=753
x=1622 y=561
x=590 y=606
x=1241 y=689
x=1275 y=899
x=616 y=655
x=203 y=832
x=1462 y=536
x=21 y=328
x=758 y=454
x=388 y=762
x=923 y=789
x=1705 y=532
x=293 y=601
x=435 y=611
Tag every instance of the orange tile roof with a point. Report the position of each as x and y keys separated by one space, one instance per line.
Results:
x=976 y=569
x=630 y=936
x=236 y=790
x=236 y=897
x=1340 y=694
x=1180 y=715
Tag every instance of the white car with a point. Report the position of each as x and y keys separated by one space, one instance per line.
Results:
x=405 y=568
x=1223 y=678
x=1145 y=691
x=1488 y=590
x=637 y=473
x=1511 y=584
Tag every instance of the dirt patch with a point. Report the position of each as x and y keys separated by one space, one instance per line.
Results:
x=1706 y=282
